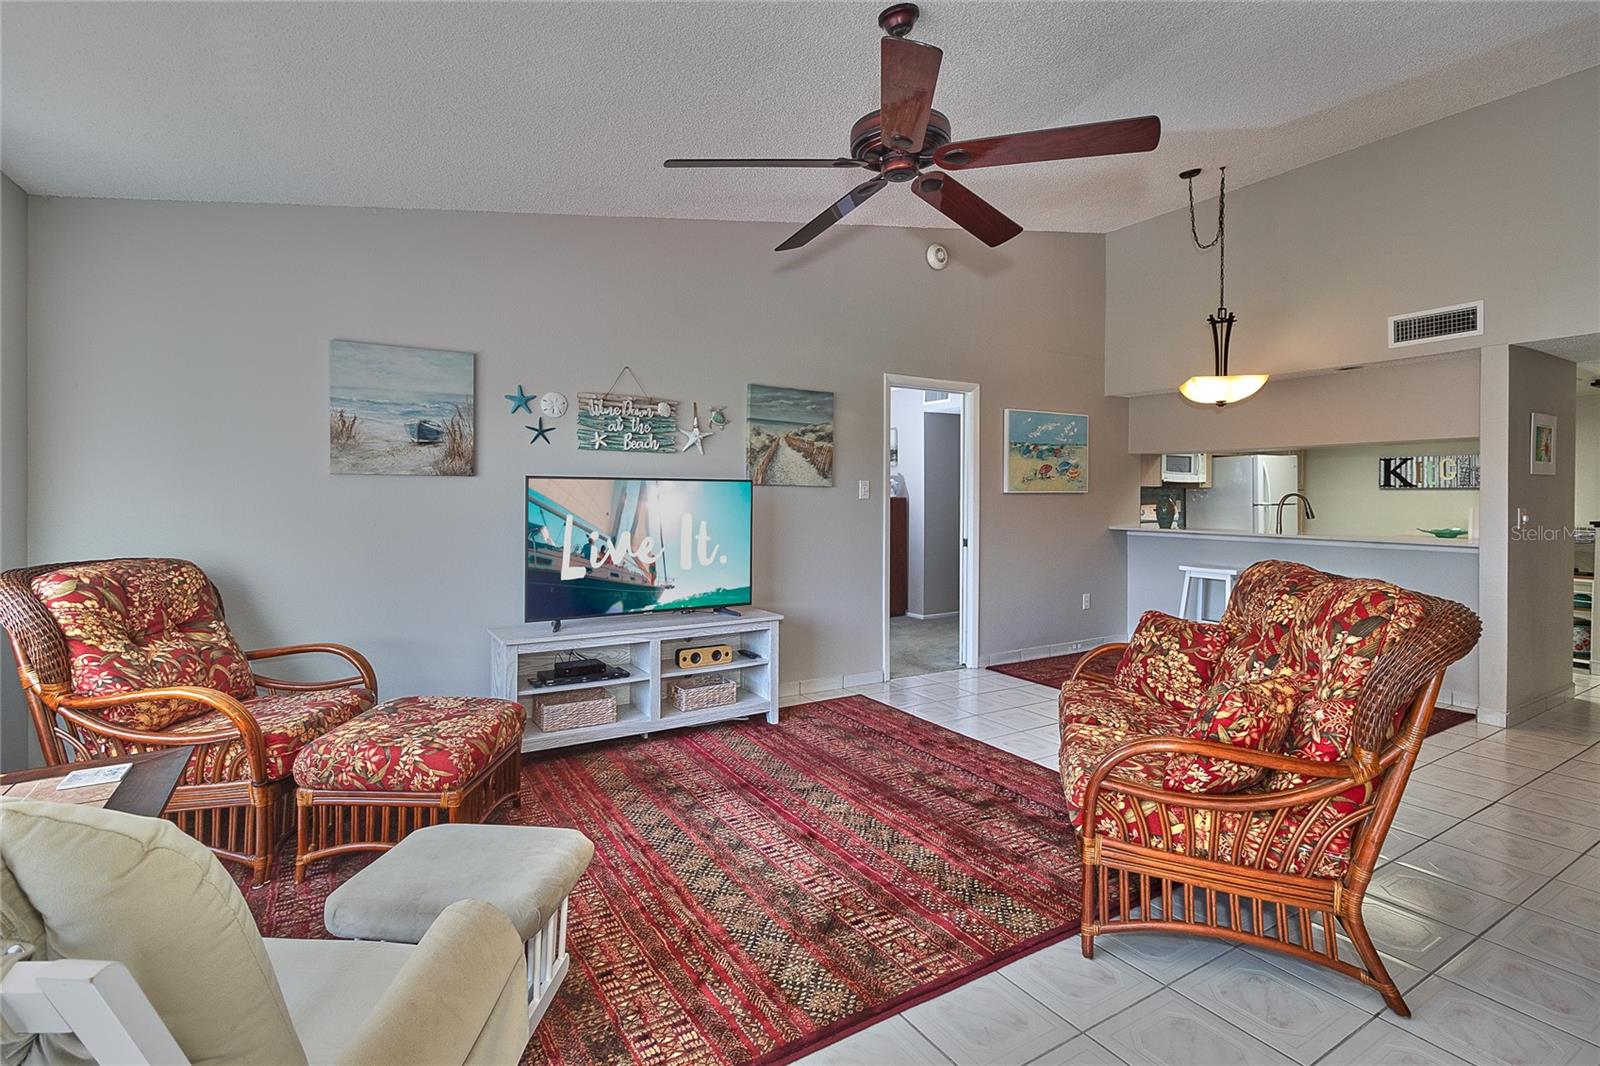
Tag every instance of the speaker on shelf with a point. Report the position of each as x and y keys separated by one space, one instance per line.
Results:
x=709 y=655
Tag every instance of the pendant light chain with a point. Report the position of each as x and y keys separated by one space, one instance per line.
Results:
x=1219 y=387
x=1219 y=241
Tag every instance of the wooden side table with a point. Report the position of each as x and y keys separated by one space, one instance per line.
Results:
x=144 y=789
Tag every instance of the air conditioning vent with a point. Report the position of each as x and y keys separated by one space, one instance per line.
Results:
x=1439 y=324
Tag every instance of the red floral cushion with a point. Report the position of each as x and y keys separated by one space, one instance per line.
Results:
x=288 y=723
x=1170 y=659
x=144 y=623
x=1264 y=620
x=1092 y=702
x=1349 y=623
x=1270 y=593
x=1245 y=716
x=1083 y=746
x=1187 y=830
x=412 y=744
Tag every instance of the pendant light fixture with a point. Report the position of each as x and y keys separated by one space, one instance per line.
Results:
x=1220 y=388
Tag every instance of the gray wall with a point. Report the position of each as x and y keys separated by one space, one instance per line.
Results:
x=941 y=513
x=17 y=746
x=179 y=381
x=1525 y=578
x=1496 y=204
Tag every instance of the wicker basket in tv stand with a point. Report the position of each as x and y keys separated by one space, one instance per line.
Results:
x=646 y=646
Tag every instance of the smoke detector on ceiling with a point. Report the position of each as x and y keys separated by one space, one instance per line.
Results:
x=1438 y=324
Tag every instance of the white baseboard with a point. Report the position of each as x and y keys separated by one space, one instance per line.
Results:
x=1528 y=708
x=1042 y=651
x=871 y=677
x=823 y=684
x=931 y=617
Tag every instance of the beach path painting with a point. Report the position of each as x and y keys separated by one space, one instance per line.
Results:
x=398 y=410
x=1046 y=452
x=790 y=436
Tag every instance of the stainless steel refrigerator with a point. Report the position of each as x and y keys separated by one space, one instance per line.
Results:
x=1244 y=494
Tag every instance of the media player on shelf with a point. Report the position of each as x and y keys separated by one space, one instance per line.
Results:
x=578 y=666
x=548 y=678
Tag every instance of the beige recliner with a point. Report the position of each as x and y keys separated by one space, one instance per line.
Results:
x=85 y=884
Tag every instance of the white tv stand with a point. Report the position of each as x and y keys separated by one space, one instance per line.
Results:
x=646 y=646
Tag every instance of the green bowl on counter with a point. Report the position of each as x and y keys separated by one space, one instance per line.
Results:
x=1447 y=534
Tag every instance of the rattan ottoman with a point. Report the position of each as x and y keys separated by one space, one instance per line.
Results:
x=405 y=764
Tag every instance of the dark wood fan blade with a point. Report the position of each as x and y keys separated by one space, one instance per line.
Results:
x=965 y=208
x=847 y=203
x=1065 y=142
x=830 y=163
x=909 y=73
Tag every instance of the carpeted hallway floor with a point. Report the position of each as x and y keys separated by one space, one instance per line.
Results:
x=924 y=646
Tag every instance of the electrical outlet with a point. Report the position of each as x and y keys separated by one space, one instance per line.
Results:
x=1085 y=601
x=863 y=490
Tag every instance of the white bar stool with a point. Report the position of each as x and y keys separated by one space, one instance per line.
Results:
x=1197 y=576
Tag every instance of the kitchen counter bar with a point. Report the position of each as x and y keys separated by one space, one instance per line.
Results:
x=1446 y=568
x=1416 y=542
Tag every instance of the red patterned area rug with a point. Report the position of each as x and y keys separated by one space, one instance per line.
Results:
x=1056 y=669
x=759 y=891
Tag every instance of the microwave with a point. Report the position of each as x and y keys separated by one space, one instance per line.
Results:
x=1184 y=467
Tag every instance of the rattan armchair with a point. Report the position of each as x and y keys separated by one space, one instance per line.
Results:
x=235 y=795
x=1283 y=869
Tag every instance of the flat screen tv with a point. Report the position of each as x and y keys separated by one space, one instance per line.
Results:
x=598 y=546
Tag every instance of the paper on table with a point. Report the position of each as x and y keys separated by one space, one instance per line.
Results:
x=45 y=790
x=95 y=775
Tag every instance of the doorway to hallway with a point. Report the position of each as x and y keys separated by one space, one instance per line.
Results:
x=929 y=534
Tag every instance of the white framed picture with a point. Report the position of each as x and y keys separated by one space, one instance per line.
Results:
x=1542 y=444
x=1046 y=451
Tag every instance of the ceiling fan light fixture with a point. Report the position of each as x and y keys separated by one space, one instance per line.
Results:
x=904 y=136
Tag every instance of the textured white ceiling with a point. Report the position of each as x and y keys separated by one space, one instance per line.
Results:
x=569 y=108
x=1583 y=350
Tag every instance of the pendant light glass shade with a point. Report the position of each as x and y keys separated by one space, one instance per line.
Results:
x=1222 y=389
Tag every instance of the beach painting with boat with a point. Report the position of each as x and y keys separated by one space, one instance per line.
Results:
x=399 y=410
x=790 y=436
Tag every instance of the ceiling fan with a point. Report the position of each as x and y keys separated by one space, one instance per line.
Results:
x=905 y=136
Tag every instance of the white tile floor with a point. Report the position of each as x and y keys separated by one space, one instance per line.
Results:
x=1487 y=910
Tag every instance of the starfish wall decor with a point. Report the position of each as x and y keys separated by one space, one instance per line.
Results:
x=694 y=436
x=520 y=401
x=541 y=432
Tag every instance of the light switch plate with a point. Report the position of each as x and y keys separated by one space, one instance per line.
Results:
x=863 y=490
x=1085 y=601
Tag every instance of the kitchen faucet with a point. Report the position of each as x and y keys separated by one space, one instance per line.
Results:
x=1304 y=499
